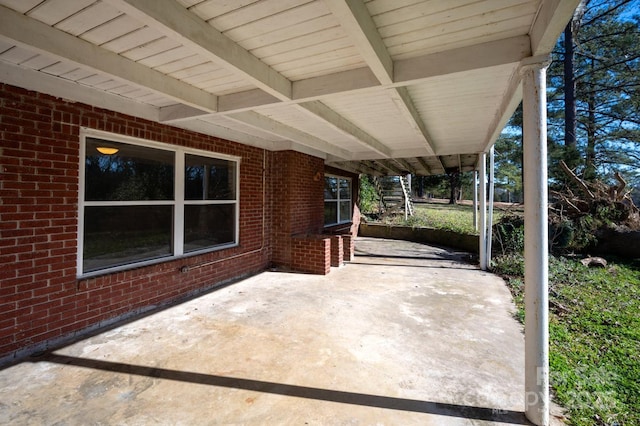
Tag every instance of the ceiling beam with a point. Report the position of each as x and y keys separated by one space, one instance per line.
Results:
x=424 y=165
x=208 y=128
x=402 y=98
x=550 y=21
x=347 y=166
x=372 y=164
x=356 y=21
x=362 y=80
x=174 y=20
x=510 y=101
x=179 y=112
x=266 y=124
x=340 y=123
x=387 y=165
x=66 y=89
x=42 y=38
x=407 y=165
x=367 y=170
x=484 y=55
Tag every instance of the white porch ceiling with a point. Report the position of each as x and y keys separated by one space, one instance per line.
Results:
x=374 y=86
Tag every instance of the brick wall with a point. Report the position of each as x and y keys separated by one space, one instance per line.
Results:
x=311 y=254
x=41 y=300
x=298 y=201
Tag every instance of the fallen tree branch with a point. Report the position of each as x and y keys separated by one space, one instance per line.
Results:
x=583 y=186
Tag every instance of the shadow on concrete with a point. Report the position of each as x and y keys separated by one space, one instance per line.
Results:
x=428 y=407
x=412 y=265
x=450 y=257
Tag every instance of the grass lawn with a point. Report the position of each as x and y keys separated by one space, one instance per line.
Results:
x=456 y=218
x=594 y=333
x=594 y=324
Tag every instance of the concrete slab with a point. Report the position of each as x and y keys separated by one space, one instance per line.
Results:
x=406 y=334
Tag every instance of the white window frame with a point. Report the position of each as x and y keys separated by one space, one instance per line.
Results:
x=338 y=200
x=178 y=203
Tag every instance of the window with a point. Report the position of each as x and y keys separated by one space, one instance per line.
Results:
x=144 y=202
x=337 y=200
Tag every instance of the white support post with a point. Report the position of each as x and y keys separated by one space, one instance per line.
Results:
x=483 y=211
x=490 y=214
x=475 y=200
x=536 y=251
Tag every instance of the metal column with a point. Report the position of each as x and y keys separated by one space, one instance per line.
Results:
x=533 y=74
x=490 y=214
x=475 y=200
x=483 y=211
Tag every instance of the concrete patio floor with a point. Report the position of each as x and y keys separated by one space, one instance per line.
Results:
x=405 y=334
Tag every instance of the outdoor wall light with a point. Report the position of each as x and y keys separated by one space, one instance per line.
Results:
x=107 y=150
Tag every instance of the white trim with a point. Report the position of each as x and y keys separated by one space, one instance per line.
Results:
x=178 y=203
x=338 y=200
x=81 y=204
x=178 y=209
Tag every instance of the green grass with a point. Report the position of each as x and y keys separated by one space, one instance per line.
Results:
x=456 y=218
x=594 y=331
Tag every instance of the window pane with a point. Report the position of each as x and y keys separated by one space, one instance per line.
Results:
x=330 y=212
x=209 y=178
x=345 y=189
x=345 y=211
x=330 y=188
x=208 y=226
x=132 y=173
x=115 y=236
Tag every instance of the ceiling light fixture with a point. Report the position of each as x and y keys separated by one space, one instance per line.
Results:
x=107 y=150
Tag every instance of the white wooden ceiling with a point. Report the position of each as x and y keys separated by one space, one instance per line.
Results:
x=374 y=86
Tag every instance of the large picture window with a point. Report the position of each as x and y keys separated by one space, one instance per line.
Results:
x=337 y=200
x=143 y=202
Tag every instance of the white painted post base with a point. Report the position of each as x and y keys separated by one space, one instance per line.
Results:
x=536 y=253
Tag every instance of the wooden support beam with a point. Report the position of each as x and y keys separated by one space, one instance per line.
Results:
x=281 y=130
x=389 y=166
x=42 y=38
x=61 y=88
x=549 y=24
x=179 y=112
x=402 y=98
x=484 y=55
x=340 y=123
x=368 y=170
x=409 y=166
x=378 y=167
x=416 y=70
x=424 y=165
x=171 y=18
x=355 y=19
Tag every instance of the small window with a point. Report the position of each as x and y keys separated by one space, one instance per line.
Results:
x=337 y=200
x=144 y=202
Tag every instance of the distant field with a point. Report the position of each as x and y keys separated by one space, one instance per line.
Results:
x=440 y=215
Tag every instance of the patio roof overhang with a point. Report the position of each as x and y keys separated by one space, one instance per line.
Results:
x=377 y=87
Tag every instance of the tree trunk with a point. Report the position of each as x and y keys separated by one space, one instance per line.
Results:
x=454 y=182
x=569 y=89
x=590 y=161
